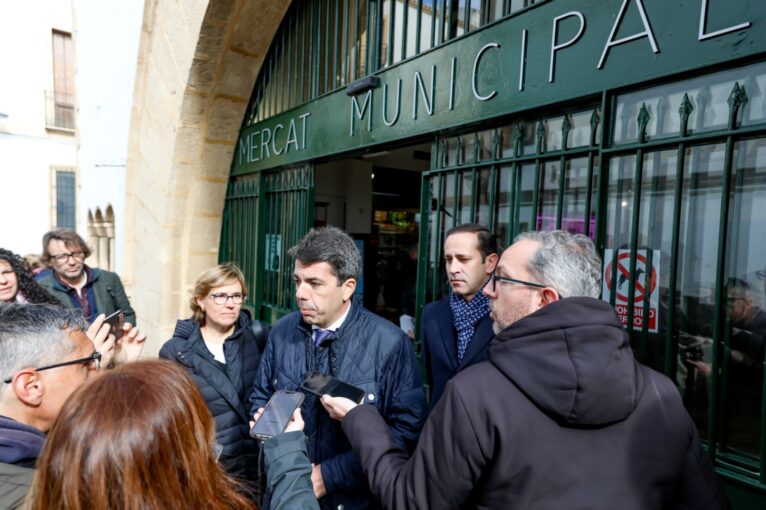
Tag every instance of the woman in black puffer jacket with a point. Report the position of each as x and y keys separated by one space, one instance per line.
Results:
x=220 y=350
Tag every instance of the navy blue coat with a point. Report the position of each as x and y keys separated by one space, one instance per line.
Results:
x=370 y=353
x=439 y=343
x=225 y=390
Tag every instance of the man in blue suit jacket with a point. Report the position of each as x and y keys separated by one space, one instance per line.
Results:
x=456 y=330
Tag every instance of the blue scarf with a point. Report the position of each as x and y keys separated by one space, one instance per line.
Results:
x=466 y=315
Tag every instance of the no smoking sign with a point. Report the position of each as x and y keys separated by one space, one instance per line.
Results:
x=645 y=283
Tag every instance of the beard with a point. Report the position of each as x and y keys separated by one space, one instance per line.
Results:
x=501 y=319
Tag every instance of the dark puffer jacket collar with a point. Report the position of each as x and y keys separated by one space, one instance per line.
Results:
x=572 y=359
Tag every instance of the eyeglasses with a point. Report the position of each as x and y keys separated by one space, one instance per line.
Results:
x=221 y=298
x=63 y=257
x=496 y=278
x=94 y=358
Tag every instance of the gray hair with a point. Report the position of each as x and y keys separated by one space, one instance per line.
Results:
x=35 y=335
x=331 y=245
x=567 y=262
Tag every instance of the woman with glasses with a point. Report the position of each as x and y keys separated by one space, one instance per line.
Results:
x=219 y=349
x=17 y=283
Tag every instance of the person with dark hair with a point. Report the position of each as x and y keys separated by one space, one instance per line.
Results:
x=45 y=355
x=141 y=436
x=220 y=351
x=560 y=416
x=94 y=291
x=17 y=283
x=332 y=334
x=456 y=330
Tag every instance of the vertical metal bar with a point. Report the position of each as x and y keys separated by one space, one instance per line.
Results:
x=457 y=198
x=474 y=216
x=588 y=194
x=493 y=191
x=637 y=182
x=418 y=21
x=290 y=74
x=373 y=41
x=467 y=17
x=560 y=201
x=425 y=212
x=326 y=35
x=345 y=49
x=448 y=30
x=671 y=347
x=603 y=181
x=378 y=46
x=536 y=194
x=318 y=51
x=440 y=209
x=719 y=313
x=283 y=73
x=336 y=48
x=391 y=21
x=405 y=25
x=305 y=73
x=516 y=202
x=357 y=44
x=433 y=22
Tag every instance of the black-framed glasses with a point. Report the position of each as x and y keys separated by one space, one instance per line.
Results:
x=94 y=358
x=220 y=298
x=63 y=257
x=506 y=279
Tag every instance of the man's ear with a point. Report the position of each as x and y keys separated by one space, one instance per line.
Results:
x=491 y=262
x=349 y=286
x=548 y=295
x=28 y=387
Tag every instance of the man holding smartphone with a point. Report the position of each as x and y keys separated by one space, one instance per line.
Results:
x=560 y=416
x=333 y=335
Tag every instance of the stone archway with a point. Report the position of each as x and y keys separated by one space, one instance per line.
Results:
x=197 y=65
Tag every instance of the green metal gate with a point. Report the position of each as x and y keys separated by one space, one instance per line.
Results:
x=265 y=214
x=670 y=182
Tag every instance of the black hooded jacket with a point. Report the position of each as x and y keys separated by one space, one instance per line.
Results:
x=561 y=416
x=224 y=388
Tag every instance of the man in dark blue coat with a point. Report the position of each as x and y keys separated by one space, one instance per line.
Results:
x=456 y=330
x=335 y=336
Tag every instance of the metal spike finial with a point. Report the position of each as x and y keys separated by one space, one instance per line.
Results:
x=684 y=111
x=643 y=121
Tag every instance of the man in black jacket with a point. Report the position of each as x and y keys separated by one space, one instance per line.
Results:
x=561 y=416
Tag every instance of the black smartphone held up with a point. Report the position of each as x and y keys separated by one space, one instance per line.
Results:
x=115 y=321
x=277 y=413
x=319 y=384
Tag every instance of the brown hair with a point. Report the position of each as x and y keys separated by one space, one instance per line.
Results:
x=216 y=276
x=68 y=237
x=138 y=437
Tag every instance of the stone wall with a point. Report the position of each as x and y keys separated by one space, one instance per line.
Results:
x=197 y=65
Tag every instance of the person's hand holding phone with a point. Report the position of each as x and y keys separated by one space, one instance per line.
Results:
x=130 y=345
x=338 y=407
x=295 y=424
x=103 y=341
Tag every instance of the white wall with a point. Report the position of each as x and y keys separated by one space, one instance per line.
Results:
x=106 y=42
x=27 y=148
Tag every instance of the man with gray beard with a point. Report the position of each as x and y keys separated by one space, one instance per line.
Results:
x=560 y=416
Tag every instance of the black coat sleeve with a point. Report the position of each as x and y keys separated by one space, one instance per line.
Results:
x=444 y=468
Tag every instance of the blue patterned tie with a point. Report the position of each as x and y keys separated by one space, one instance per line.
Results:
x=323 y=335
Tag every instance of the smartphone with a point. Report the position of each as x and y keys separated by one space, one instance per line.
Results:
x=319 y=384
x=115 y=321
x=277 y=413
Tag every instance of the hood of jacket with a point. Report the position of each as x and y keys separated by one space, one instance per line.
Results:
x=19 y=442
x=572 y=358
